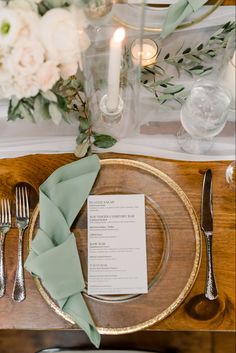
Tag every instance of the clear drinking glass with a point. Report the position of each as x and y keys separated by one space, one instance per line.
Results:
x=203 y=115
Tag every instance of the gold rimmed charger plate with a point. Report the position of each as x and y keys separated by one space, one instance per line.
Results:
x=173 y=248
x=214 y=5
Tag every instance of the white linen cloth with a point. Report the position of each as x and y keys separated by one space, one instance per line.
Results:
x=157 y=135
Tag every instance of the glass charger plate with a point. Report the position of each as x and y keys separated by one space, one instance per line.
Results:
x=155 y=15
x=173 y=248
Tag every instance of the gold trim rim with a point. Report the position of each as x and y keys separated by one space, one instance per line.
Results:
x=182 y=26
x=196 y=264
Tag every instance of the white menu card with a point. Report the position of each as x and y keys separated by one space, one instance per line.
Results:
x=117 y=262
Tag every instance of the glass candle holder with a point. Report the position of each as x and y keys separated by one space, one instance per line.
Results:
x=144 y=53
x=111 y=78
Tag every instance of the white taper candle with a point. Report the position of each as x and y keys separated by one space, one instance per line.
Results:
x=114 y=69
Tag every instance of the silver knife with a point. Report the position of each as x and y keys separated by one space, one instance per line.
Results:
x=207 y=228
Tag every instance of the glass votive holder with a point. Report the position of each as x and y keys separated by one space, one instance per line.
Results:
x=109 y=117
x=145 y=52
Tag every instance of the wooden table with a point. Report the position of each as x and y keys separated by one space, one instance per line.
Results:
x=195 y=313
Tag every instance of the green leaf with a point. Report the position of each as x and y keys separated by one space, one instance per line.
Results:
x=25 y=112
x=76 y=84
x=13 y=114
x=42 y=9
x=83 y=124
x=200 y=47
x=55 y=113
x=62 y=103
x=208 y=69
x=211 y=52
x=104 y=141
x=13 y=109
x=41 y=108
x=197 y=67
x=187 y=50
x=150 y=70
x=197 y=71
x=49 y=96
x=173 y=89
x=164 y=97
x=14 y=102
x=226 y=25
x=159 y=68
x=81 y=137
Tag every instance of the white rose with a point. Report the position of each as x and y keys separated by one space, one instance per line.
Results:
x=6 y=83
x=30 y=24
x=26 y=57
x=47 y=75
x=10 y=26
x=68 y=70
x=26 y=86
x=60 y=36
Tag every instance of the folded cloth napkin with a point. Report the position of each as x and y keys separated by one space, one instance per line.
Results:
x=177 y=12
x=53 y=256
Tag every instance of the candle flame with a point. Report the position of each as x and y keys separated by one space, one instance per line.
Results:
x=119 y=35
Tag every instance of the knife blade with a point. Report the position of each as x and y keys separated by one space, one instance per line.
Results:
x=206 y=208
x=207 y=228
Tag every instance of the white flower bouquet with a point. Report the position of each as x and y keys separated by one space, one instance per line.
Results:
x=41 y=42
x=39 y=45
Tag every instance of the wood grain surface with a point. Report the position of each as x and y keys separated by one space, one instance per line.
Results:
x=196 y=313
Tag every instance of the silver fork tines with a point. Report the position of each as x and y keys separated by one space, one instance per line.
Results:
x=22 y=222
x=5 y=225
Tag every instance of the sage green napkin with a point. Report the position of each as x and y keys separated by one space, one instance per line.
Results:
x=53 y=256
x=177 y=13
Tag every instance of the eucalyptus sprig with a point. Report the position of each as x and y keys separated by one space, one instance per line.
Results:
x=195 y=60
x=87 y=137
x=164 y=90
x=55 y=104
x=66 y=101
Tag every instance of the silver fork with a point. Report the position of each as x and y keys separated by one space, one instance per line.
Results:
x=22 y=222
x=5 y=225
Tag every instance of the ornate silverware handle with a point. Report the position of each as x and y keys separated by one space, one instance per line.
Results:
x=19 y=284
x=211 y=292
x=2 y=272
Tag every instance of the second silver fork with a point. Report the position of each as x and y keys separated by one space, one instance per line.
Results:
x=5 y=224
x=22 y=222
